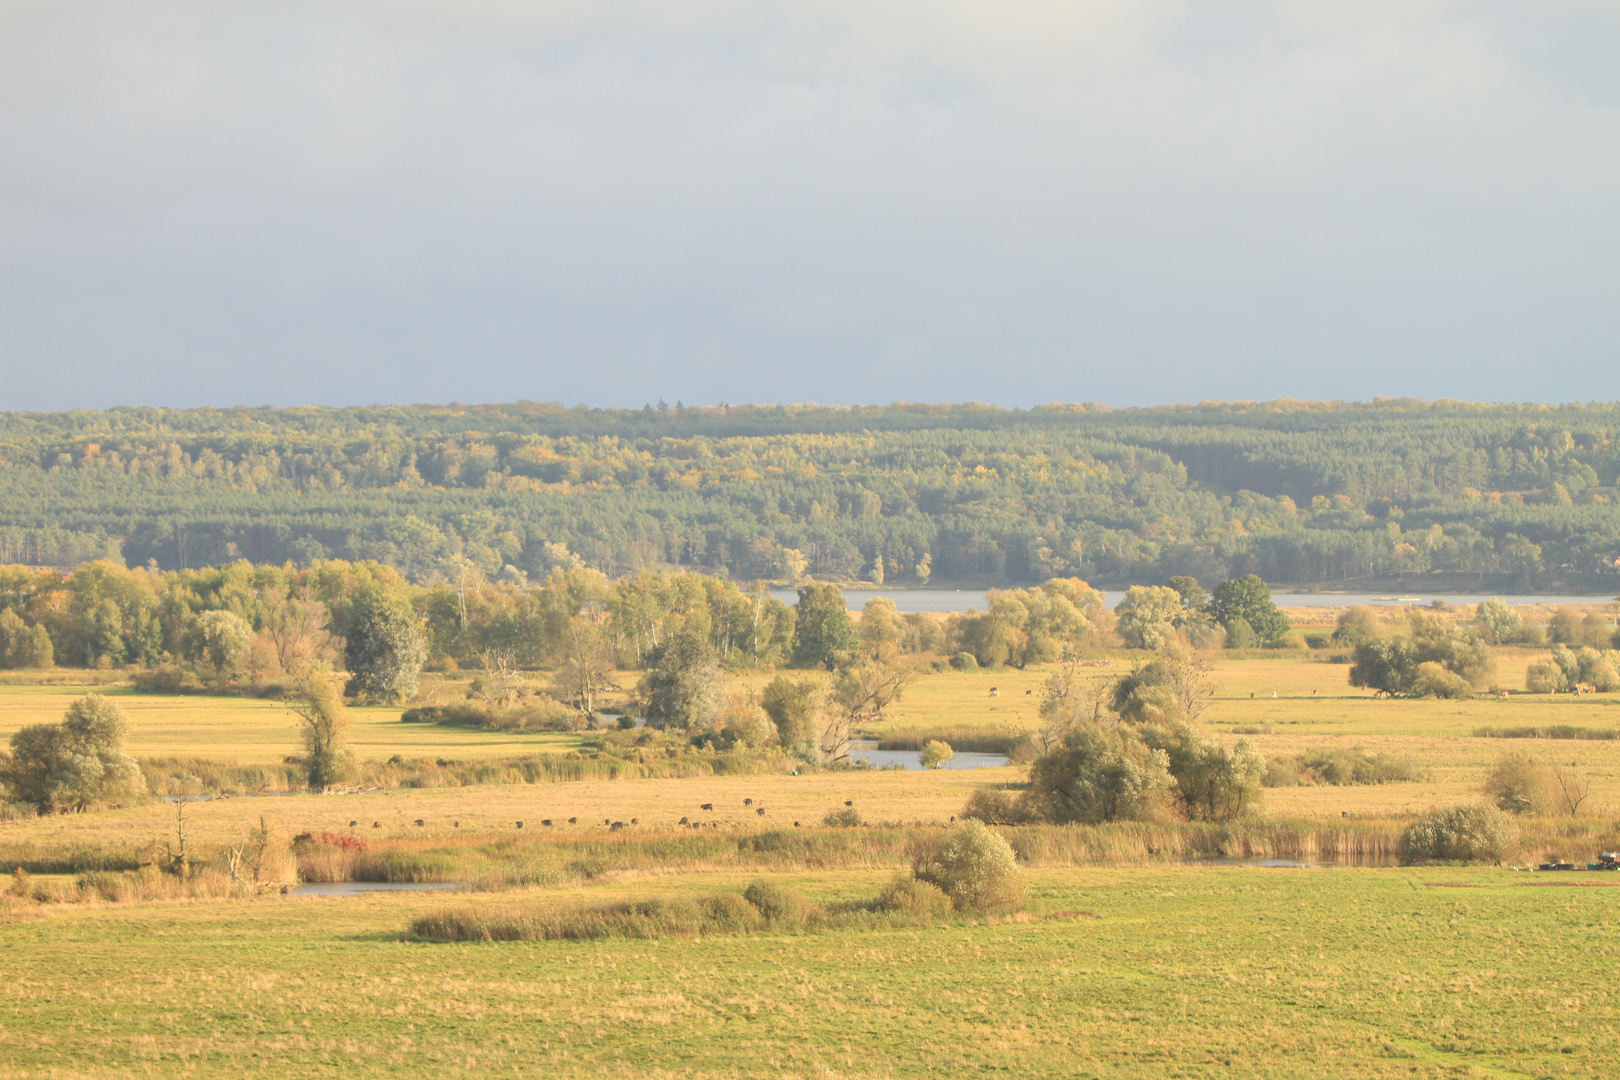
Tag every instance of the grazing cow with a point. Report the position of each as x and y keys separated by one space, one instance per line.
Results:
x=607 y=821
x=683 y=821
x=707 y=806
x=546 y=822
x=573 y=821
x=849 y=802
x=795 y=824
x=748 y=802
x=376 y=824
x=419 y=821
x=352 y=824
x=1028 y=692
x=635 y=821
x=520 y=824
x=995 y=691
x=760 y=811
x=455 y=824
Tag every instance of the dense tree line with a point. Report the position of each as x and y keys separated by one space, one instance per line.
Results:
x=1519 y=496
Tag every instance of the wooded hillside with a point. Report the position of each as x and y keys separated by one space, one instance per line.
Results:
x=1513 y=496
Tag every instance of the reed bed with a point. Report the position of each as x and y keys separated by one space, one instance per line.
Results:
x=1549 y=731
x=970 y=740
x=170 y=776
x=498 y=862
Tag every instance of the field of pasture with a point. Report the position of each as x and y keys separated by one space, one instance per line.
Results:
x=1135 y=956
x=1111 y=972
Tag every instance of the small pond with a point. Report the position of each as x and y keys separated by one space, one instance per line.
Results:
x=866 y=750
x=357 y=888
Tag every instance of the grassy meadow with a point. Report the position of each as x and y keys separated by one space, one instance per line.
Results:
x=1119 y=972
x=1128 y=961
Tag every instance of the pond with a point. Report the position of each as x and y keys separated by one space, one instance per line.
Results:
x=865 y=750
x=358 y=888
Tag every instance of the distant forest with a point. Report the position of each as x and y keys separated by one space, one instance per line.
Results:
x=1508 y=496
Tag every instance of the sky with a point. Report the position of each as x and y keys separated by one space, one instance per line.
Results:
x=346 y=202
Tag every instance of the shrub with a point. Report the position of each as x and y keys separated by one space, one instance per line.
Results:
x=1240 y=635
x=1544 y=677
x=845 y=817
x=1214 y=782
x=74 y=764
x=1283 y=772
x=936 y=753
x=1520 y=785
x=1101 y=772
x=169 y=678
x=965 y=661
x=914 y=897
x=1000 y=808
x=1478 y=833
x=779 y=906
x=977 y=869
x=1357 y=625
x=1433 y=680
x=1346 y=768
x=730 y=912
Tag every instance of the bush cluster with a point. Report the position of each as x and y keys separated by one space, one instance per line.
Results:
x=1478 y=833
x=1337 y=768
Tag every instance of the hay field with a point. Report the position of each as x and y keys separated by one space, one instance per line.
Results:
x=251 y=731
x=1168 y=971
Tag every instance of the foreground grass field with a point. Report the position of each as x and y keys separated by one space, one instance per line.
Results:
x=1179 y=971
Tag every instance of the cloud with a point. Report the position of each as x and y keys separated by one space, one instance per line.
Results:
x=1134 y=202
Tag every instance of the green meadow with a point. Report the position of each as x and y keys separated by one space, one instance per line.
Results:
x=1119 y=971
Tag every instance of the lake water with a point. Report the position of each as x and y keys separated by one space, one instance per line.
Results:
x=357 y=888
x=945 y=600
x=868 y=752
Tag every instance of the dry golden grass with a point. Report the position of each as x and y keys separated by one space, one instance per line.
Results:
x=1299 y=703
x=880 y=795
x=252 y=731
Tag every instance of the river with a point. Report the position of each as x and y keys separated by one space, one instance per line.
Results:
x=944 y=600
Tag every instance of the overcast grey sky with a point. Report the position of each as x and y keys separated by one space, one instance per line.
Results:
x=349 y=202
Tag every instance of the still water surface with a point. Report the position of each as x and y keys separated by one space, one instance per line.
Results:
x=942 y=600
x=866 y=750
x=357 y=888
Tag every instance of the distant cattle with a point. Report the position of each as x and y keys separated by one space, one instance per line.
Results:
x=995 y=692
x=546 y=822
x=707 y=806
x=520 y=824
x=760 y=811
x=419 y=821
x=748 y=802
x=573 y=821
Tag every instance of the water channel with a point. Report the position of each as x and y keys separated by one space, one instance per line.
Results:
x=360 y=888
x=947 y=600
